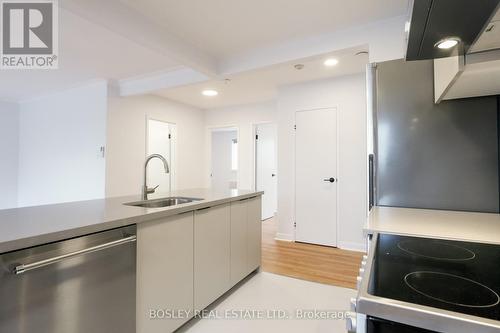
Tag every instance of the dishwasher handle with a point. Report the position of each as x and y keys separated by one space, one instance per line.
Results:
x=22 y=268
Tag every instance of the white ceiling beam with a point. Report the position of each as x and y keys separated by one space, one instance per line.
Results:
x=123 y=20
x=156 y=81
x=385 y=40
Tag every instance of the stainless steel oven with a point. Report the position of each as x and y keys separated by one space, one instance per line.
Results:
x=377 y=325
x=81 y=285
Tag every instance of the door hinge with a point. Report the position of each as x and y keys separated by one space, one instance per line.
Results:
x=170 y=136
x=256 y=137
x=295 y=224
x=295 y=127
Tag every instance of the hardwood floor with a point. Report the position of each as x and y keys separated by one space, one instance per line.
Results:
x=308 y=262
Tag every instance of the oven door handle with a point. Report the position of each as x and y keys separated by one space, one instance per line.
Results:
x=22 y=268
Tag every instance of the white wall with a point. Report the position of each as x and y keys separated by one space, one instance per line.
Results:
x=59 y=146
x=9 y=141
x=244 y=118
x=348 y=94
x=126 y=142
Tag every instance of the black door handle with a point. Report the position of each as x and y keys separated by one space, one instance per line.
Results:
x=331 y=180
x=273 y=175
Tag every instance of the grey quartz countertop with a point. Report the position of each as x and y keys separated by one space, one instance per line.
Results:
x=30 y=226
x=466 y=226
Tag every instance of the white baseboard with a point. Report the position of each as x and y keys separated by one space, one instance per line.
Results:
x=359 y=247
x=284 y=237
x=351 y=246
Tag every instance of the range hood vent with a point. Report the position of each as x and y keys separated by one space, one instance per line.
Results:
x=490 y=38
x=433 y=21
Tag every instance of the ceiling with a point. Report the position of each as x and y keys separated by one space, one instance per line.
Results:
x=130 y=40
x=86 y=52
x=262 y=85
x=225 y=28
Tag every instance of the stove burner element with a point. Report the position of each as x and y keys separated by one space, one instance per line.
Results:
x=452 y=289
x=433 y=249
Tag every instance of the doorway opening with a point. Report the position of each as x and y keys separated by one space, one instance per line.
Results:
x=266 y=178
x=224 y=158
x=160 y=139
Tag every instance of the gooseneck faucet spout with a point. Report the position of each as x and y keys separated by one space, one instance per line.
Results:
x=145 y=189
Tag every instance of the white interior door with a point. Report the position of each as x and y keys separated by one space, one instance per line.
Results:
x=160 y=135
x=224 y=158
x=316 y=176
x=266 y=177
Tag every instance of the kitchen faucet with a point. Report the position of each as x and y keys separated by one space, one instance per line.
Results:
x=145 y=189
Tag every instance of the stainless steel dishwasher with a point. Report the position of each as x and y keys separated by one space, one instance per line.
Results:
x=80 y=285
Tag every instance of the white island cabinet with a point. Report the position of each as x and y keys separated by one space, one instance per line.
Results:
x=254 y=233
x=186 y=261
x=239 y=260
x=246 y=237
x=164 y=273
x=211 y=254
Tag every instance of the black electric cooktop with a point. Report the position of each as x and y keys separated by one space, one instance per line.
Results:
x=456 y=276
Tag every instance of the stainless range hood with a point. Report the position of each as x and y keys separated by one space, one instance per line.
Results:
x=490 y=37
x=433 y=21
x=470 y=71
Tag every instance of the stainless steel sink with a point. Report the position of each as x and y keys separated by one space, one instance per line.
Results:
x=162 y=202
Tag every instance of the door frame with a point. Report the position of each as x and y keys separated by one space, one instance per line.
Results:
x=337 y=139
x=209 y=130
x=254 y=149
x=254 y=154
x=173 y=148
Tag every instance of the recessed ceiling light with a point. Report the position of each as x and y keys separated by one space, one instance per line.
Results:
x=209 y=92
x=447 y=43
x=330 y=62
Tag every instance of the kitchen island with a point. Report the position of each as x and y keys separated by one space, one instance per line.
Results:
x=30 y=226
x=185 y=257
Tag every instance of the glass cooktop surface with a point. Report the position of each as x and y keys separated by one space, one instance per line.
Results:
x=457 y=276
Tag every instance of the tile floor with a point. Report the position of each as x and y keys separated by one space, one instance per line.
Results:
x=266 y=291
